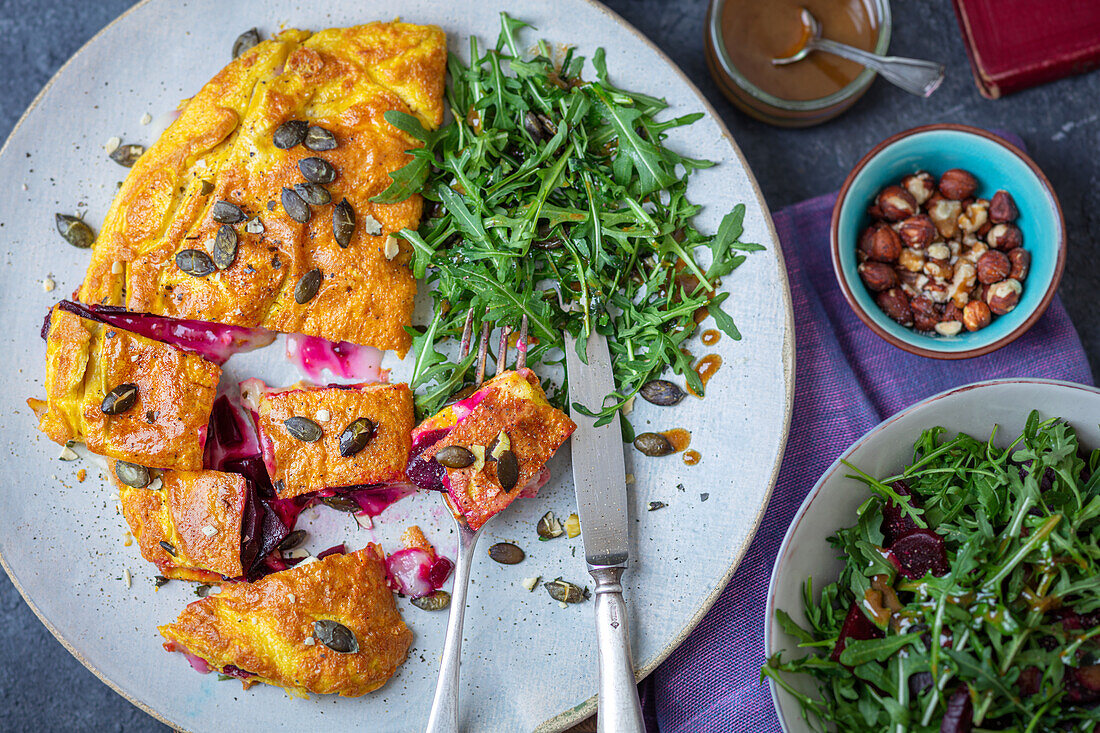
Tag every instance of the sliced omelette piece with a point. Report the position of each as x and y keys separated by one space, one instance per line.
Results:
x=329 y=626
x=316 y=439
x=217 y=172
x=123 y=395
x=189 y=523
x=509 y=414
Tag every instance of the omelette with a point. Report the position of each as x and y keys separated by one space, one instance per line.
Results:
x=506 y=430
x=254 y=207
x=123 y=395
x=189 y=523
x=325 y=626
x=341 y=436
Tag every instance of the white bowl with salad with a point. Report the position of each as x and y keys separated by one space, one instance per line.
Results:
x=972 y=519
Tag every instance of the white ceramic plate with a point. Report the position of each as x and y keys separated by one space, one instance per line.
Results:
x=527 y=663
x=886 y=450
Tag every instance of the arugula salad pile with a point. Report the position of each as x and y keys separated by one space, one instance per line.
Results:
x=970 y=595
x=553 y=196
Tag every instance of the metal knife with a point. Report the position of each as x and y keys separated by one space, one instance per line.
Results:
x=599 y=473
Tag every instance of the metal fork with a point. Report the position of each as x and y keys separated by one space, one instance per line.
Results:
x=444 y=715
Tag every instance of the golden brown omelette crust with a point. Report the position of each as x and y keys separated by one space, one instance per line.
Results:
x=343 y=79
x=166 y=427
x=307 y=467
x=177 y=512
x=514 y=403
x=262 y=627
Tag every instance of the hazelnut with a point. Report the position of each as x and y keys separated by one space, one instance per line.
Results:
x=939 y=251
x=1021 y=263
x=911 y=260
x=1003 y=208
x=976 y=315
x=920 y=186
x=865 y=238
x=952 y=312
x=895 y=304
x=1005 y=236
x=984 y=229
x=957 y=184
x=944 y=213
x=917 y=231
x=885 y=245
x=993 y=267
x=878 y=276
x=925 y=314
x=948 y=328
x=911 y=282
x=974 y=216
x=1002 y=297
x=875 y=212
x=896 y=203
x=939 y=269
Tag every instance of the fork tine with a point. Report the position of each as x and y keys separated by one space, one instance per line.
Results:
x=521 y=345
x=467 y=331
x=482 y=350
x=502 y=353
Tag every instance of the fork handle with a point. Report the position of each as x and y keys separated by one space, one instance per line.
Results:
x=619 y=709
x=444 y=715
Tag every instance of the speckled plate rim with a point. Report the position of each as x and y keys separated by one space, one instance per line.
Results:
x=586 y=709
x=803 y=509
x=845 y=287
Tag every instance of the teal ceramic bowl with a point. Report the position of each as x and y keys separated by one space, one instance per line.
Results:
x=997 y=164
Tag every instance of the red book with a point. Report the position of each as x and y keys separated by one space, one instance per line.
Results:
x=1015 y=44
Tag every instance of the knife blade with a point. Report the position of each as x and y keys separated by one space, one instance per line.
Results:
x=599 y=470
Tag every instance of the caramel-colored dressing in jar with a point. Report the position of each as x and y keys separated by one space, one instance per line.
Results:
x=756 y=31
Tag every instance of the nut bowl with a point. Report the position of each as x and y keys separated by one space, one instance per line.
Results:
x=885 y=450
x=996 y=164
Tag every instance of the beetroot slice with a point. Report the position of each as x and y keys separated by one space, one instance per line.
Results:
x=960 y=712
x=1028 y=682
x=895 y=522
x=856 y=626
x=1082 y=685
x=426 y=473
x=920 y=552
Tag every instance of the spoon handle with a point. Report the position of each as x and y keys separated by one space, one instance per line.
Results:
x=913 y=75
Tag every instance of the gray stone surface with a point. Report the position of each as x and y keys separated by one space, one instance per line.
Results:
x=42 y=687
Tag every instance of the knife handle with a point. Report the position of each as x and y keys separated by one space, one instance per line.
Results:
x=619 y=709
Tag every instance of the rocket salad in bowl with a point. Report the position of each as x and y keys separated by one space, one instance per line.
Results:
x=968 y=597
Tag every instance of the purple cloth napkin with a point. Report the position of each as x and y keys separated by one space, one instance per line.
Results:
x=847 y=380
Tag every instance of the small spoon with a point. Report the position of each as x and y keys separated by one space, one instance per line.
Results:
x=913 y=75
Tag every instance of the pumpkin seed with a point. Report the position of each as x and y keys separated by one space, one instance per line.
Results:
x=436 y=601
x=343 y=223
x=507 y=470
x=549 y=527
x=294 y=206
x=454 y=456
x=307 y=287
x=74 y=230
x=206 y=188
x=313 y=193
x=317 y=170
x=342 y=503
x=506 y=553
x=245 y=41
x=224 y=212
x=225 y=247
x=168 y=547
x=289 y=134
x=132 y=474
x=356 y=436
x=202 y=590
x=303 y=429
x=662 y=392
x=292 y=540
x=119 y=400
x=318 y=139
x=195 y=262
x=563 y=591
x=534 y=129
x=335 y=636
x=127 y=155
x=653 y=444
